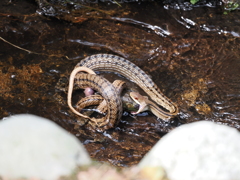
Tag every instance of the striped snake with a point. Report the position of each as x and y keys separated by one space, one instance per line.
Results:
x=104 y=87
x=116 y=64
x=96 y=99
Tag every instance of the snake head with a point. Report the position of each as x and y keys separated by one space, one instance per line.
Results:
x=141 y=100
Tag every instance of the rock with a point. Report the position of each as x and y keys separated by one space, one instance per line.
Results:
x=107 y=172
x=34 y=147
x=197 y=151
x=153 y=173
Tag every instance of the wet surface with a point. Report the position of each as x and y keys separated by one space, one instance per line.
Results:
x=193 y=56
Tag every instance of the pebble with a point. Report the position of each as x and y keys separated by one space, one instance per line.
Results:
x=35 y=147
x=197 y=151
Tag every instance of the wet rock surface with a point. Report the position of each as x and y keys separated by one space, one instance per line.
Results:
x=35 y=147
x=193 y=56
x=197 y=151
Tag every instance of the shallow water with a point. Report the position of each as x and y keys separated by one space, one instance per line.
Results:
x=193 y=56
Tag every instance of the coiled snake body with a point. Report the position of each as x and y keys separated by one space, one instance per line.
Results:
x=113 y=63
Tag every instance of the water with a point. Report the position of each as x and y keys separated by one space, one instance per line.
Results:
x=192 y=55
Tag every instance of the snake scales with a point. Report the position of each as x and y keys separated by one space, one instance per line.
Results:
x=113 y=63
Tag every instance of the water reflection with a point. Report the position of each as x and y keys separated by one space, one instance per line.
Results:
x=158 y=30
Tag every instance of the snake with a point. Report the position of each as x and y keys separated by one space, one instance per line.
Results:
x=97 y=99
x=104 y=87
x=122 y=66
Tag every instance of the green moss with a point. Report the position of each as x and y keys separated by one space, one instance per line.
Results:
x=194 y=1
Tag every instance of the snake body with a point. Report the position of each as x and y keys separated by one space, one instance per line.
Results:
x=105 y=88
x=113 y=63
x=98 y=99
x=116 y=64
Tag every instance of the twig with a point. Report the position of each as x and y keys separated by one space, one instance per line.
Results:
x=31 y=52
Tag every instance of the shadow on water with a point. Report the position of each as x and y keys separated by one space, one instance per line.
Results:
x=193 y=56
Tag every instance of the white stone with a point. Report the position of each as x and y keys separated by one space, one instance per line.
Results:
x=198 y=151
x=34 y=147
